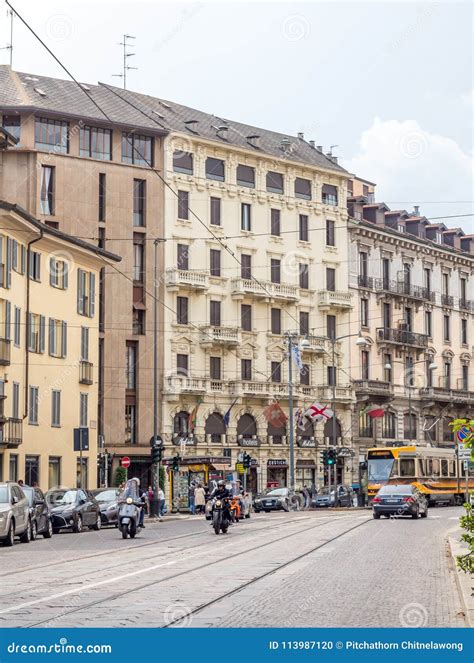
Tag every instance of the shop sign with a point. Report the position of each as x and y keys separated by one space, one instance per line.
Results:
x=248 y=442
x=277 y=462
x=305 y=462
x=185 y=441
x=307 y=442
x=196 y=468
x=345 y=452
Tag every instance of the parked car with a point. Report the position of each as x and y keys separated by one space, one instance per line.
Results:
x=399 y=500
x=245 y=507
x=14 y=514
x=73 y=509
x=345 y=496
x=108 y=504
x=41 y=522
x=276 y=499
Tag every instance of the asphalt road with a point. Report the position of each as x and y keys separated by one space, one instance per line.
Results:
x=297 y=569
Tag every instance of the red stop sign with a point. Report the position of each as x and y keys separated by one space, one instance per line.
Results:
x=125 y=462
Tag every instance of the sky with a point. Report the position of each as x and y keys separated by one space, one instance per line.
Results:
x=389 y=83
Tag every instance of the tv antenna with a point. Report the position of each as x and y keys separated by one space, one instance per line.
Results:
x=9 y=47
x=126 y=54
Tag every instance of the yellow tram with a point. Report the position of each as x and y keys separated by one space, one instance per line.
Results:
x=435 y=472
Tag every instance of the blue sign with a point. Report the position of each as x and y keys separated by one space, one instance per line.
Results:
x=463 y=433
x=81 y=439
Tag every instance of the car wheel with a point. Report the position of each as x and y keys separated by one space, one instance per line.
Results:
x=98 y=523
x=416 y=514
x=77 y=527
x=49 y=530
x=247 y=515
x=376 y=516
x=10 y=538
x=267 y=510
x=26 y=536
x=34 y=530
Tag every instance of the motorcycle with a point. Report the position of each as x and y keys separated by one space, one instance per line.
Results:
x=130 y=506
x=220 y=515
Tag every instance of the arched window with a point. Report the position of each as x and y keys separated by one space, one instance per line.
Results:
x=389 y=425
x=246 y=426
x=448 y=435
x=409 y=426
x=181 y=423
x=277 y=433
x=365 y=425
x=431 y=429
x=215 y=427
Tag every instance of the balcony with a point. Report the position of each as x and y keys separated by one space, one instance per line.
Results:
x=11 y=433
x=86 y=372
x=401 y=337
x=264 y=289
x=334 y=299
x=223 y=336
x=324 y=393
x=318 y=344
x=447 y=300
x=184 y=278
x=5 y=352
x=183 y=384
x=466 y=305
x=256 y=388
x=446 y=395
x=378 y=388
x=403 y=289
x=364 y=281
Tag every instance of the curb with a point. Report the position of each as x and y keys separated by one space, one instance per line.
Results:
x=463 y=580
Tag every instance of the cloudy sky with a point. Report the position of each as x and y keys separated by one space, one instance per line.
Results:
x=391 y=84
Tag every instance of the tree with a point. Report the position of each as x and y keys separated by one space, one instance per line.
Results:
x=120 y=475
x=466 y=562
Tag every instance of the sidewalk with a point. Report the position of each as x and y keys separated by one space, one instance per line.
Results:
x=463 y=580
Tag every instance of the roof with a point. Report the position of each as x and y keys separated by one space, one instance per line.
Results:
x=33 y=92
x=48 y=230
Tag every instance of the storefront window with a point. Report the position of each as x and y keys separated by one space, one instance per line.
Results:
x=54 y=472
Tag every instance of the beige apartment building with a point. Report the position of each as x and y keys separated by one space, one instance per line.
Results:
x=48 y=351
x=413 y=291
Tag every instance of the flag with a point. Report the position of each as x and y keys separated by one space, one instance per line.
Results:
x=296 y=356
x=299 y=418
x=374 y=411
x=315 y=413
x=275 y=415
x=193 y=417
x=227 y=414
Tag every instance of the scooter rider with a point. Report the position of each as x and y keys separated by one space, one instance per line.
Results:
x=143 y=495
x=221 y=492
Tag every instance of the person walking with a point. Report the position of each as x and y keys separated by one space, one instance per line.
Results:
x=161 y=502
x=200 y=499
x=192 y=508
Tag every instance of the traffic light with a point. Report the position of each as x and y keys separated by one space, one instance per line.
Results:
x=331 y=456
x=247 y=460
x=175 y=463
x=156 y=454
x=325 y=457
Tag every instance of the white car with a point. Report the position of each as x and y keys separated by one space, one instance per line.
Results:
x=14 y=514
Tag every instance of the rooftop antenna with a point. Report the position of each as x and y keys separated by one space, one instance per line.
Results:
x=126 y=55
x=10 y=45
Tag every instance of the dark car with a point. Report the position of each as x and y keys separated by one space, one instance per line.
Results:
x=276 y=499
x=108 y=504
x=326 y=499
x=73 y=509
x=40 y=516
x=399 y=500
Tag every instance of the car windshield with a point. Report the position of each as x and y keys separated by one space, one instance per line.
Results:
x=4 y=495
x=380 y=468
x=61 y=497
x=396 y=490
x=278 y=491
x=105 y=495
x=325 y=491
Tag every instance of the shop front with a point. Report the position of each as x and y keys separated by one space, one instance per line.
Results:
x=203 y=470
x=305 y=473
x=277 y=473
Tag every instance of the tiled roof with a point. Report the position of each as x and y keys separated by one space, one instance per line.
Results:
x=132 y=109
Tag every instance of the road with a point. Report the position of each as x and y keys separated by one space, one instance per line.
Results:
x=299 y=569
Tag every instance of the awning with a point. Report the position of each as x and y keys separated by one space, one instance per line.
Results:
x=221 y=467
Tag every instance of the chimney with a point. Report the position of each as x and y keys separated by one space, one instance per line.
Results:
x=301 y=135
x=416 y=209
x=311 y=142
x=334 y=159
x=319 y=148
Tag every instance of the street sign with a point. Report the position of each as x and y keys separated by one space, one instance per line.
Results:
x=464 y=454
x=81 y=439
x=240 y=457
x=463 y=433
x=239 y=467
x=466 y=465
x=125 y=462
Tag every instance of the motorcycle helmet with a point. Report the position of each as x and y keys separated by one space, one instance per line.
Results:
x=221 y=483
x=137 y=480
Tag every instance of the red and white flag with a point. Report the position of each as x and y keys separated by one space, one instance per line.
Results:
x=275 y=415
x=316 y=413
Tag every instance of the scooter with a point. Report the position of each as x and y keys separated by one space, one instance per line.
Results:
x=220 y=515
x=129 y=517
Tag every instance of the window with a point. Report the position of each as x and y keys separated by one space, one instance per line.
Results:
x=305 y=375
x=275 y=228
x=387 y=367
x=36 y=332
x=276 y=371
x=409 y=426
x=182 y=311
x=51 y=134
x=47 y=190
x=13 y=467
x=215 y=313
x=57 y=332
x=365 y=425
x=387 y=315
x=364 y=312
x=464 y=331
x=463 y=289
x=246 y=317
x=304 y=276
x=275 y=270
x=275 y=182
x=304 y=323
x=58 y=273
x=245 y=217
x=246 y=266
x=83 y=410
x=215 y=211
x=215 y=368
x=386 y=273
x=139 y=202
x=447 y=328
x=275 y=321
x=55 y=408
x=447 y=375
x=215 y=262
x=215 y=169
x=33 y=393
x=330 y=233
x=131 y=365
x=102 y=196
x=331 y=326
x=246 y=175
x=329 y=194
x=95 y=143
x=5 y=319
x=137 y=149
x=445 y=284
x=182 y=364
x=302 y=188
x=130 y=423
x=363 y=264
x=365 y=366
x=85 y=293
x=54 y=471
x=183 y=256
x=331 y=375
x=84 y=343
x=409 y=318
x=246 y=369
x=31 y=470
x=138 y=259
x=429 y=373
x=12 y=123
x=407 y=467
x=427 y=278
x=17 y=326
x=183 y=205
x=409 y=374
x=303 y=228
x=183 y=162
x=138 y=322
x=465 y=377
x=330 y=279
x=428 y=323
x=35 y=266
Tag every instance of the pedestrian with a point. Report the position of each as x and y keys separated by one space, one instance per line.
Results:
x=20 y=482
x=150 y=493
x=161 y=502
x=306 y=497
x=192 y=509
x=200 y=498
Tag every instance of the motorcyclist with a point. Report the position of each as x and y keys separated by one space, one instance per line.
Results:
x=221 y=492
x=142 y=498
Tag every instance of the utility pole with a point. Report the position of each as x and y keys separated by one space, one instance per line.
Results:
x=125 y=67
x=290 y=407
x=156 y=465
x=10 y=45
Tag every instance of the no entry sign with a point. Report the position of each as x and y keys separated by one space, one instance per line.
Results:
x=125 y=462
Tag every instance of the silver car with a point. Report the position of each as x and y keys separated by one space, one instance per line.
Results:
x=14 y=514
